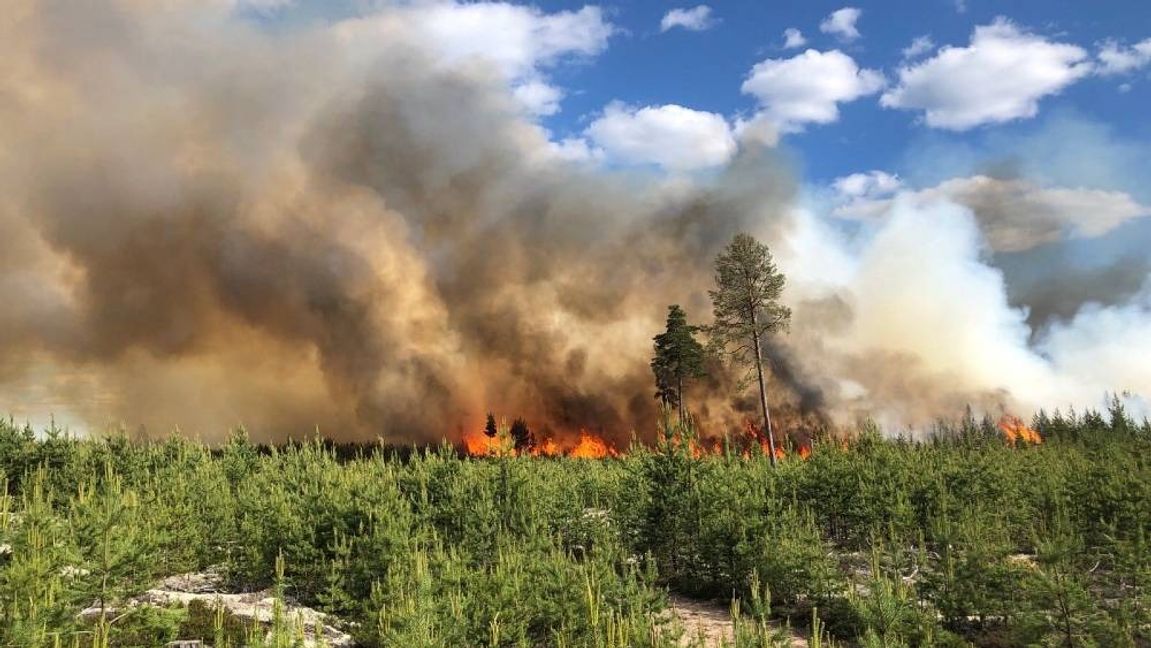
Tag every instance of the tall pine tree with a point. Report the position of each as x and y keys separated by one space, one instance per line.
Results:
x=746 y=306
x=678 y=358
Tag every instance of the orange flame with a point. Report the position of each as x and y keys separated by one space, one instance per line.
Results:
x=756 y=435
x=1015 y=430
x=698 y=447
x=591 y=447
x=547 y=448
x=479 y=444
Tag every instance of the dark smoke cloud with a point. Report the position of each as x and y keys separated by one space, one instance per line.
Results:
x=1058 y=301
x=234 y=226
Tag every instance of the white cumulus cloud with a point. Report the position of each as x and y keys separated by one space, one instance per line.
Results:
x=574 y=149
x=867 y=185
x=538 y=97
x=808 y=88
x=793 y=38
x=1115 y=58
x=671 y=136
x=697 y=18
x=528 y=38
x=841 y=23
x=1001 y=76
x=919 y=46
x=530 y=41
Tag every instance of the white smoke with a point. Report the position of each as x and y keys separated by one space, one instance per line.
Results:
x=925 y=326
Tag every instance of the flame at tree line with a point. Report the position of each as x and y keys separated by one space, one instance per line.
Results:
x=589 y=445
x=585 y=446
x=1015 y=430
x=751 y=440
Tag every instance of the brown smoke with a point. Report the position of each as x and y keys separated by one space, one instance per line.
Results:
x=225 y=226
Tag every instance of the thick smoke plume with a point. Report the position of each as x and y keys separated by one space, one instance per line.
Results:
x=221 y=225
x=207 y=223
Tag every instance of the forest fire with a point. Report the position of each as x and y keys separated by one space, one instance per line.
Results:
x=547 y=448
x=757 y=435
x=751 y=441
x=479 y=444
x=591 y=447
x=1015 y=430
x=588 y=445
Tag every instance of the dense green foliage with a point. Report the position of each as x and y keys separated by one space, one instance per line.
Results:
x=678 y=358
x=881 y=543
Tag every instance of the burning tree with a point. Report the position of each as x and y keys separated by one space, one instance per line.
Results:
x=678 y=358
x=1015 y=430
x=746 y=306
x=522 y=437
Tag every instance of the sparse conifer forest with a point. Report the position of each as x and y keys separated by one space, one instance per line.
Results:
x=962 y=539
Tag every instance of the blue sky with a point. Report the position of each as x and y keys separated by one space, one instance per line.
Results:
x=704 y=70
x=624 y=58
